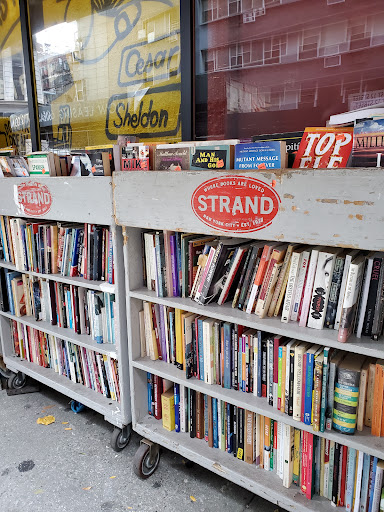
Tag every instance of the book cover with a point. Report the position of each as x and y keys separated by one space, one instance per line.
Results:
x=292 y=142
x=134 y=157
x=261 y=155
x=334 y=291
x=207 y=158
x=172 y=158
x=324 y=148
x=168 y=409
x=368 y=143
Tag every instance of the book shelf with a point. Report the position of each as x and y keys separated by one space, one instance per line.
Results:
x=77 y=200
x=328 y=207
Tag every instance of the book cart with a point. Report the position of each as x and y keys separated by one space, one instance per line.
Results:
x=78 y=200
x=339 y=207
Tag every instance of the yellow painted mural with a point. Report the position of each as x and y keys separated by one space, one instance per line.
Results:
x=10 y=35
x=107 y=68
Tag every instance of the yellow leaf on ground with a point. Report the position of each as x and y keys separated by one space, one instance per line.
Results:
x=112 y=477
x=64 y=422
x=193 y=498
x=68 y=428
x=47 y=420
x=47 y=407
x=39 y=491
x=87 y=488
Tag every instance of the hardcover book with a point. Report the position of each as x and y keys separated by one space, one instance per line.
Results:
x=261 y=155
x=42 y=163
x=131 y=157
x=322 y=148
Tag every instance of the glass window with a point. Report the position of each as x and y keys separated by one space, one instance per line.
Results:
x=105 y=69
x=13 y=94
x=267 y=66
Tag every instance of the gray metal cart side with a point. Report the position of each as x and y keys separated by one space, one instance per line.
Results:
x=80 y=200
x=339 y=207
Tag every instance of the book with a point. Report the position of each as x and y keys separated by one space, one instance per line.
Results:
x=353 y=285
x=259 y=277
x=211 y=157
x=378 y=399
x=170 y=157
x=324 y=148
x=168 y=409
x=365 y=285
x=368 y=143
x=334 y=291
x=348 y=258
x=261 y=155
x=346 y=394
x=292 y=142
x=374 y=294
x=291 y=284
x=131 y=157
x=42 y=163
x=363 y=393
x=321 y=287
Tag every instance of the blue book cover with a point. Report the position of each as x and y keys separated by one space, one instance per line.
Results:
x=201 y=348
x=372 y=484
x=8 y=278
x=215 y=424
x=227 y=355
x=76 y=248
x=177 y=406
x=324 y=388
x=259 y=363
x=308 y=388
x=364 y=483
x=205 y=417
x=351 y=468
x=69 y=302
x=240 y=361
x=110 y=258
x=149 y=393
x=260 y=155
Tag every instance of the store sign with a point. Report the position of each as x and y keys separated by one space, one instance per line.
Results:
x=365 y=99
x=33 y=198
x=235 y=203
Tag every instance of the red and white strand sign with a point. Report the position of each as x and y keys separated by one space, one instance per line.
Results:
x=235 y=203
x=33 y=198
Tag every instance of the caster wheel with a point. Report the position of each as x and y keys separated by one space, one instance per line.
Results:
x=121 y=438
x=189 y=464
x=143 y=466
x=17 y=381
x=77 y=407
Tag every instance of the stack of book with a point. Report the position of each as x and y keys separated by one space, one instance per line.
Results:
x=84 y=250
x=316 y=385
x=318 y=287
x=318 y=466
x=82 y=365
x=75 y=307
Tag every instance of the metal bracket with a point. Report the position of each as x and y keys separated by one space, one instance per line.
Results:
x=153 y=450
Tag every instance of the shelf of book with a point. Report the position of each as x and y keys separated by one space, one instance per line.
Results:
x=79 y=201
x=263 y=483
x=326 y=337
x=84 y=340
x=96 y=401
x=363 y=441
x=76 y=281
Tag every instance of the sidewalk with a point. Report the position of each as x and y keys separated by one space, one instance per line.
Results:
x=50 y=469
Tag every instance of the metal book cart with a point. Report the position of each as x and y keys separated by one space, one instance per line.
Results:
x=79 y=200
x=337 y=207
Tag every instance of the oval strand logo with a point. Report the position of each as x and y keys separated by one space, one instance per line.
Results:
x=33 y=198
x=235 y=203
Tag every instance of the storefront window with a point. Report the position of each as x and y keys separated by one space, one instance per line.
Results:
x=13 y=95
x=106 y=68
x=267 y=66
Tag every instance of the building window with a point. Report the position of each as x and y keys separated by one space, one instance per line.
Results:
x=274 y=49
x=208 y=57
x=309 y=46
x=234 y=7
x=359 y=34
x=208 y=11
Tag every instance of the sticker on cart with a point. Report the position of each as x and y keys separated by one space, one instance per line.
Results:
x=33 y=199
x=235 y=203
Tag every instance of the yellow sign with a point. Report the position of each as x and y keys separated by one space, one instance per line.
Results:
x=10 y=34
x=109 y=69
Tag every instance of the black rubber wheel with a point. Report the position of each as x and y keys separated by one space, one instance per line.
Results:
x=17 y=381
x=141 y=463
x=189 y=464
x=121 y=437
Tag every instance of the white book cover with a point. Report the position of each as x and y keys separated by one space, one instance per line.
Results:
x=309 y=287
x=291 y=286
x=207 y=333
x=348 y=258
x=297 y=379
x=279 y=455
x=302 y=272
x=326 y=467
x=255 y=363
x=378 y=486
x=285 y=399
x=364 y=296
x=288 y=451
x=281 y=444
x=321 y=287
x=359 y=472
x=148 y=259
x=351 y=296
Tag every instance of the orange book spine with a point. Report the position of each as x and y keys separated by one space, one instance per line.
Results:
x=378 y=400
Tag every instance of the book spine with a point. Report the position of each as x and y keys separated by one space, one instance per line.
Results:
x=372 y=297
x=308 y=389
x=324 y=390
x=301 y=276
x=318 y=378
x=320 y=293
x=337 y=276
x=290 y=291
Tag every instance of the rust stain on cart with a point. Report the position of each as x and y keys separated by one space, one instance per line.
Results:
x=288 y=196
x=329 y=201
x=218 y=467
x=359 y=216
x=359 y=203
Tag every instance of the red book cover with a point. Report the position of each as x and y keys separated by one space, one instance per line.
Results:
x=311 y=462
x=343 y=476
x=303 y=382
x=322 y=148
x=304 y=462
